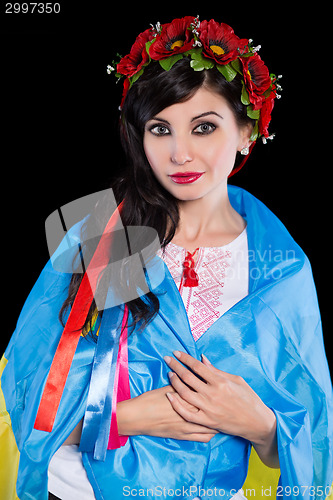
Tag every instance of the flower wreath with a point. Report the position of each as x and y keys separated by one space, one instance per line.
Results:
x=208 y=44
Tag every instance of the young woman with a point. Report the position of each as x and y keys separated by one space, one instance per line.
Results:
x=165 y=393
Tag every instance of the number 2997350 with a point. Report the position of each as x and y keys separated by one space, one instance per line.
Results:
x=32 y=8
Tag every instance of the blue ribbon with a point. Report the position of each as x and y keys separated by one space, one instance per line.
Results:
x=97 y=418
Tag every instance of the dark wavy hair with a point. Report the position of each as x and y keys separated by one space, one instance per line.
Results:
x=147 y=203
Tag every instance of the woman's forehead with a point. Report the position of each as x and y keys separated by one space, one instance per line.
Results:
x=203 y=103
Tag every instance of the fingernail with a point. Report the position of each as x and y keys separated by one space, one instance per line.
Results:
x=167 y=359
x=169 y=396
x=177 y=354
x=170 y=374
x=206 y=359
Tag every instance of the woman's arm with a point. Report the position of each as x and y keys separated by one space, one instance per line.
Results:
x=225 y=402
x=151 y=414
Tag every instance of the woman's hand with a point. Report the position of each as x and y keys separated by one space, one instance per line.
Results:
x=224 y=402
x=151 y=414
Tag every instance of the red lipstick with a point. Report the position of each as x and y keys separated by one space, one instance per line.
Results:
x=185 y=177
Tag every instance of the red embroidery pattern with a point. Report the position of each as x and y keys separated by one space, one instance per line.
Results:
x=204 y=302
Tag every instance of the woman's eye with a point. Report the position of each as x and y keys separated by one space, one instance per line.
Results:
x=159 y=130
x=204 y=129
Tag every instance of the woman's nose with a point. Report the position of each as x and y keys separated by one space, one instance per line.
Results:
x=181 y=151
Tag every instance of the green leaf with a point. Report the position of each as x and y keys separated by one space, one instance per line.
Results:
x=253 y=113
x=245 y=96
x=135 y=77
x=148 y=44
x=170 y=61
x=227 y=71
x=192 y=52
x=255 y=132
x=199 y=62
x=197 y=65
x=248 y=54
x=237 y=66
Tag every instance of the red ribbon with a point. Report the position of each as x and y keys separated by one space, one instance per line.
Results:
x=64 y=354
x=244 y=160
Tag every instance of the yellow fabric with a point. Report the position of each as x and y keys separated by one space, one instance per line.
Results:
x=261 y=481
x=330 y=496
x=9 y=454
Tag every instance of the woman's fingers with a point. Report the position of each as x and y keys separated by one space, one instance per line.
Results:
x=204 y=370
x=190 y=383
x=197 y=376
x=186 y=393
x=190 y=414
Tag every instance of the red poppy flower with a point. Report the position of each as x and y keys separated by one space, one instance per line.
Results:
x=138 y=57
x=174 y=38
x=220 y=42
x=256 y=79
x=265 y=115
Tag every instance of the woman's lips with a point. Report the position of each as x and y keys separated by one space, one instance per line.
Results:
x=185 y=177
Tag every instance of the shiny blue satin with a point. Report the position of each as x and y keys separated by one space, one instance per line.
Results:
x=97 y=418
x=272 y=338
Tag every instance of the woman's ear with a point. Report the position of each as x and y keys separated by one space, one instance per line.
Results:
x=244 y=137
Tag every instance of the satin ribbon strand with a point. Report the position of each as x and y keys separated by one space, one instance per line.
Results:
x=63 y=357
x=100 y=378
x=121 y=390
x=110 y=371
x=62 y=360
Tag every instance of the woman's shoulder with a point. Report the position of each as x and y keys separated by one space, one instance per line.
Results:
x=38 y=322
x=260 y=218
x=246 y=203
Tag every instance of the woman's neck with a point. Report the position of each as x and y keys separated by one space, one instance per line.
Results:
x=204 y=222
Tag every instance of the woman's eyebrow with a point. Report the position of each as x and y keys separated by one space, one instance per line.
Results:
x=206 y=114
x=158 y=119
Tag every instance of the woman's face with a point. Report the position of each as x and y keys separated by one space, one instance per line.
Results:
x=191 y=146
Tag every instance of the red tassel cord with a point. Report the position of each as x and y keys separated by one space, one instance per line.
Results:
x=190 y=277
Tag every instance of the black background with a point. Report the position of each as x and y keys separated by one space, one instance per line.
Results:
x=59 y=124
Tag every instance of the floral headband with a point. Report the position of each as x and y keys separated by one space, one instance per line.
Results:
x=209 y=44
